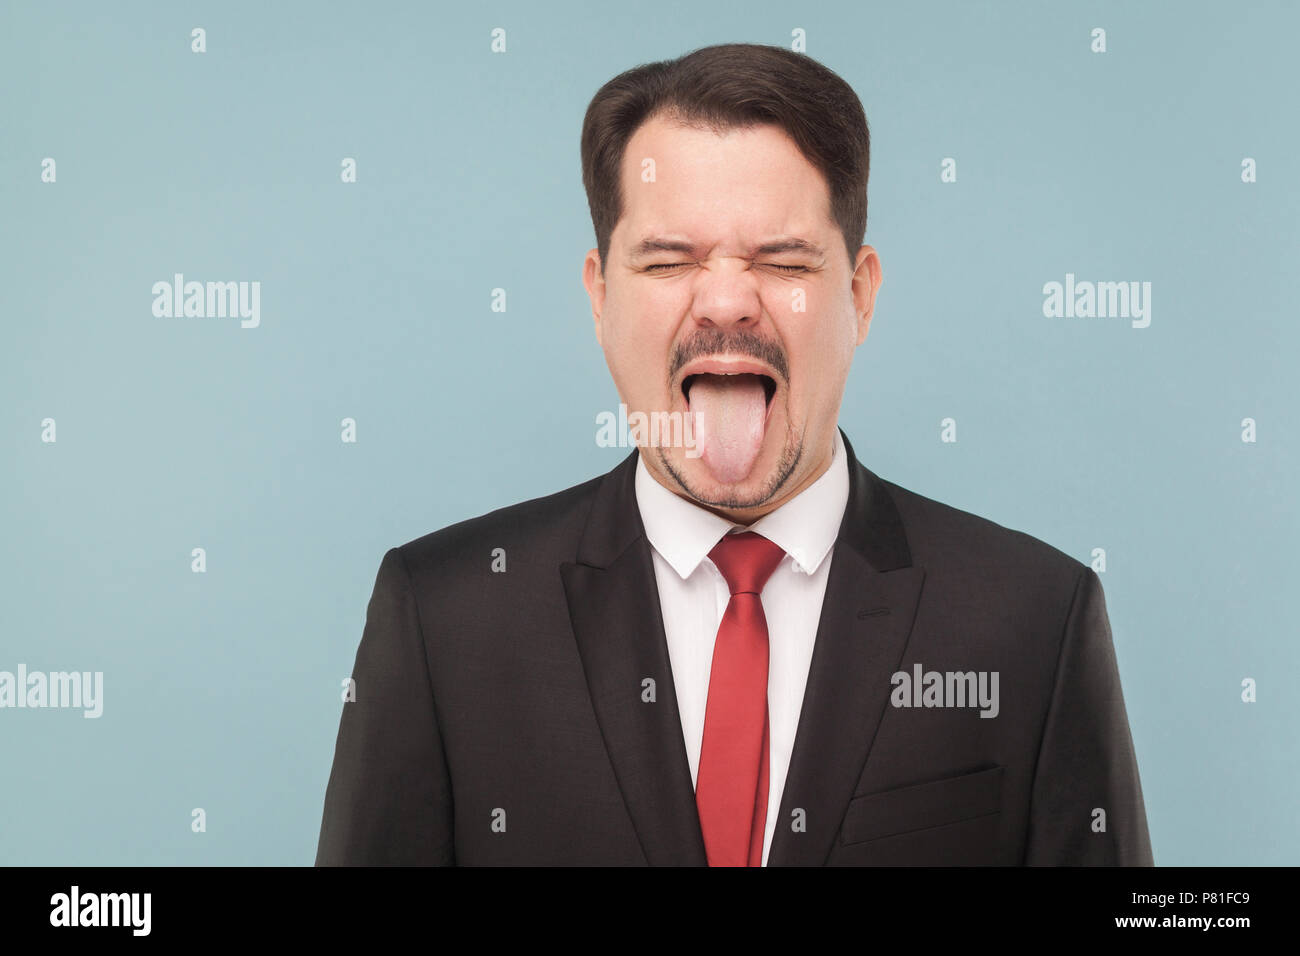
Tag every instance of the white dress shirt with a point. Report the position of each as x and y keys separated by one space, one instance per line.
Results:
x=693 y=596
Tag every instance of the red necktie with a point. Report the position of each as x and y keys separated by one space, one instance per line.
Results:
x=732 y=779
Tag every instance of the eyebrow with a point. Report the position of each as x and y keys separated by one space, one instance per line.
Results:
x=783 y=244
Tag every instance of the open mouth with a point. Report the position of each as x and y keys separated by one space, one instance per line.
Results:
x=736 y=378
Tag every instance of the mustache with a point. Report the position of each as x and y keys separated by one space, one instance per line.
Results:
x=717 y=342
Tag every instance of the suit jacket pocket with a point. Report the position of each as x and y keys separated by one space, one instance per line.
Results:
x=923 y=805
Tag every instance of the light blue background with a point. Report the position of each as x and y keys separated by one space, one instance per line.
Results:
x=222 y=689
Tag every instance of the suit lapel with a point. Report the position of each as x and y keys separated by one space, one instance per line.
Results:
x=614 y=608
x=870 y=603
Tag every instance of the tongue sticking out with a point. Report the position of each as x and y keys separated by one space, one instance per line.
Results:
x=729 y=423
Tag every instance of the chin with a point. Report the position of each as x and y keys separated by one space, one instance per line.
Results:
x=770 y=473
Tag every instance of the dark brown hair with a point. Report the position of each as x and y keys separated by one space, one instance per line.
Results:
x=725 y=87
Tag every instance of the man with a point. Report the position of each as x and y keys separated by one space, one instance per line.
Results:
x=745 y=648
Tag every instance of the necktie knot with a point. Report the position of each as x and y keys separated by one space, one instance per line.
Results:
x=746 y=561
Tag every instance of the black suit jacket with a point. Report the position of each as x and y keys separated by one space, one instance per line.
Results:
x=502 y=717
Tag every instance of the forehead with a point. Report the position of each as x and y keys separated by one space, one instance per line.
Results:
x=733 y=184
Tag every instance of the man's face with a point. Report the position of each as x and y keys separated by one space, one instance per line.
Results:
x=729 y=294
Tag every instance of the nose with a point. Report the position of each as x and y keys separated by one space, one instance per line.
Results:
x=726 y=294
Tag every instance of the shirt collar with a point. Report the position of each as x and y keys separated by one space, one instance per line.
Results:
x=805 y=527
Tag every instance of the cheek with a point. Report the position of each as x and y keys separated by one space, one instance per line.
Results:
x=648 y=321
x=837 y=329
x=638 y=334
x=820 y=344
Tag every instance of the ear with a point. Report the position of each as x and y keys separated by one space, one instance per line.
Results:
x=865 y=285
x=593 y=278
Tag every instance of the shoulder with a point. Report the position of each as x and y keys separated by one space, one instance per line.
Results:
x=945 y=538
x=546 y=528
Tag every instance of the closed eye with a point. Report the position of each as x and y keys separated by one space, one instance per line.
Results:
x=773 y=265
